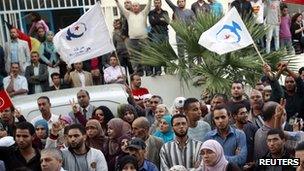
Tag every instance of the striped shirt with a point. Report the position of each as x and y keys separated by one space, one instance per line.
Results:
x=172 y=154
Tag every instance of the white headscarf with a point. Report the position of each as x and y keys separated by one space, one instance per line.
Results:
x=221 y=162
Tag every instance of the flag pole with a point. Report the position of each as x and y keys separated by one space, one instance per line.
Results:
x=99 y=1
x=257 y=50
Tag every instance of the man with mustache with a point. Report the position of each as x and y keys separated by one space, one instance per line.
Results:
x=44 y=105
x=182 y=150
x=232 y=140
x=78 y=156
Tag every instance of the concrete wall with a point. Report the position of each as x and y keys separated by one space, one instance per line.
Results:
x=169 y=87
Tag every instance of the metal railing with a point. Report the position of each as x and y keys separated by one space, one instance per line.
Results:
x=11 y=10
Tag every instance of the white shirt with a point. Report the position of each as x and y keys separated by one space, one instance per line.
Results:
x=258 y=11
x=53 y=119
x=111 y=73
x=82 y=78
x=20 y=82
x=36 y=73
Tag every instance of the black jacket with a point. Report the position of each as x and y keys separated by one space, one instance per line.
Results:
x=13 y=159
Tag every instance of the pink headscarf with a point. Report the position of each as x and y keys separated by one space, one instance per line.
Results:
x=122 y=130
x=221 y=162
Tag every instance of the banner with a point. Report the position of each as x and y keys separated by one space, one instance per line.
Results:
x=85 y=39
x=227 y=35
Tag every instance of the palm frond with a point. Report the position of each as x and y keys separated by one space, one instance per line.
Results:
x=218 y=71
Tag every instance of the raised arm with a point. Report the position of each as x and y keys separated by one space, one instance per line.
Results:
x=277 y=91
x=172 y=6
x=299 y=81
x=147 y=8
x=122 y=9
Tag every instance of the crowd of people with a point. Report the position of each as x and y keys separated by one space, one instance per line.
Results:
x=219 y=133
x=214 y=134
x=39 y=59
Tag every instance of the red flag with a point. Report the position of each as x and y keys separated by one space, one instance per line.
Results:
x=5 y=100
x=301 y=2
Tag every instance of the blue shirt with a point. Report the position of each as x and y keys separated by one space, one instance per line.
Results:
x=14 y=52
x=235 y=139
x=148 y=166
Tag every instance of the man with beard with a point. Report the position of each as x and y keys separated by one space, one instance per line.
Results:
x=294 y=90
x=78 y=156
x=232 y=140
x=240 y=116
x=182 y=150
x=256 y=98
x=21 y=155
x=237 y=92
x=44 y=106
x=84 y=112
x=256 y=103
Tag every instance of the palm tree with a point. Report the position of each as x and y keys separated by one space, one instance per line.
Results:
x=217 y=71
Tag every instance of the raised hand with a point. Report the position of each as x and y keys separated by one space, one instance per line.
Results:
x=280 y=109
x=74 y=106
x=17 y=113
x=267 y=71
x=57 y=126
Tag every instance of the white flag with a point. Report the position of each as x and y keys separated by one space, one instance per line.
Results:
x=229 y=34
x=85 y=39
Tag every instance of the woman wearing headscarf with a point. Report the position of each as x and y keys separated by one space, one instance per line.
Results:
x=160 y=111
x=213 y=158
x=37 y=22
x=103 y=114
x=165 y=130
x=95 y=135
x=42 y=131
x=118 y=132
x=48 y=53
x=127 y=113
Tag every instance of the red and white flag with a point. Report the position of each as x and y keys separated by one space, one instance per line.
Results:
x=5 y=100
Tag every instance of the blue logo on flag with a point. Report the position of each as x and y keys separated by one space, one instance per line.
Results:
x=229 y=33
x=76 y=31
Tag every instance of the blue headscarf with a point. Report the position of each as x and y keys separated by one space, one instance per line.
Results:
x=42 y=122
x=166 y=136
